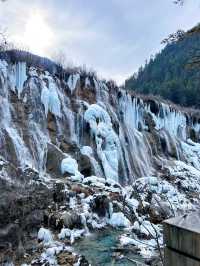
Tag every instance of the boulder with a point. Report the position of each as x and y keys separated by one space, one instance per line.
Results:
x=100 y=205
x=71 y=220
x=54 y=159
x=68 y=146
x=85 y=166
x=159 y=211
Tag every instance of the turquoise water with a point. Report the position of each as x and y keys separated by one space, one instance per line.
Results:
x=98 y=249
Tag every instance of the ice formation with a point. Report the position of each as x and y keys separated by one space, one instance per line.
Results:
x=87 y=82
x=16 y=73
x=71 y=234
x=137 y=152
x=123 y=147
x=45 y=97
x=72 y=81
x=20 y=76
x=49 y=97
x=45 y=235
x=106 y=139
x=69 y=165
x=118 y=219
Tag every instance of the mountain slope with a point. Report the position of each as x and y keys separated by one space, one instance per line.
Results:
x=78 y=154
x=167 y=74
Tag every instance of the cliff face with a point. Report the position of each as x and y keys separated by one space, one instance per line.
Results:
x=123 y=137
x=79 y=126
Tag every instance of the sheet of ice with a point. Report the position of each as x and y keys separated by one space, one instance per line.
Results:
x=132 y=124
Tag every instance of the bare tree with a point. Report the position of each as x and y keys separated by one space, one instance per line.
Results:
x=180 y=2
x=3 y=39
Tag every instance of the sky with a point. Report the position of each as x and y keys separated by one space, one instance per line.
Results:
x=113 y=37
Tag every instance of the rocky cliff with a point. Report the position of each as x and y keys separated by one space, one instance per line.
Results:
x=75 y=150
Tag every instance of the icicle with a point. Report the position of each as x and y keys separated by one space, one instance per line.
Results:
x=20 y=76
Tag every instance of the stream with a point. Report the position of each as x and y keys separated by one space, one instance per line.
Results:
x=98 y=249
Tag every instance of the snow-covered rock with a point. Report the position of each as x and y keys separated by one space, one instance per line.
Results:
x=70 y=166
x=45 y=235
x=118 y=219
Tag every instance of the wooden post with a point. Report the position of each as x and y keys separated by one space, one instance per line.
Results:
x=182 y=240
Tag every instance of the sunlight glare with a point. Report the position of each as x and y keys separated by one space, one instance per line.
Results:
x=38 y=35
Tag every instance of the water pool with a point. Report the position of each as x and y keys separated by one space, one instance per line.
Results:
x=98 y=249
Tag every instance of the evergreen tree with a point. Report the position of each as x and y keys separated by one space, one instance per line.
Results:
x=172 y=73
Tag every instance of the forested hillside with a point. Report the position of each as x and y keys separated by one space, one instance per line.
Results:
x=169 y=75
